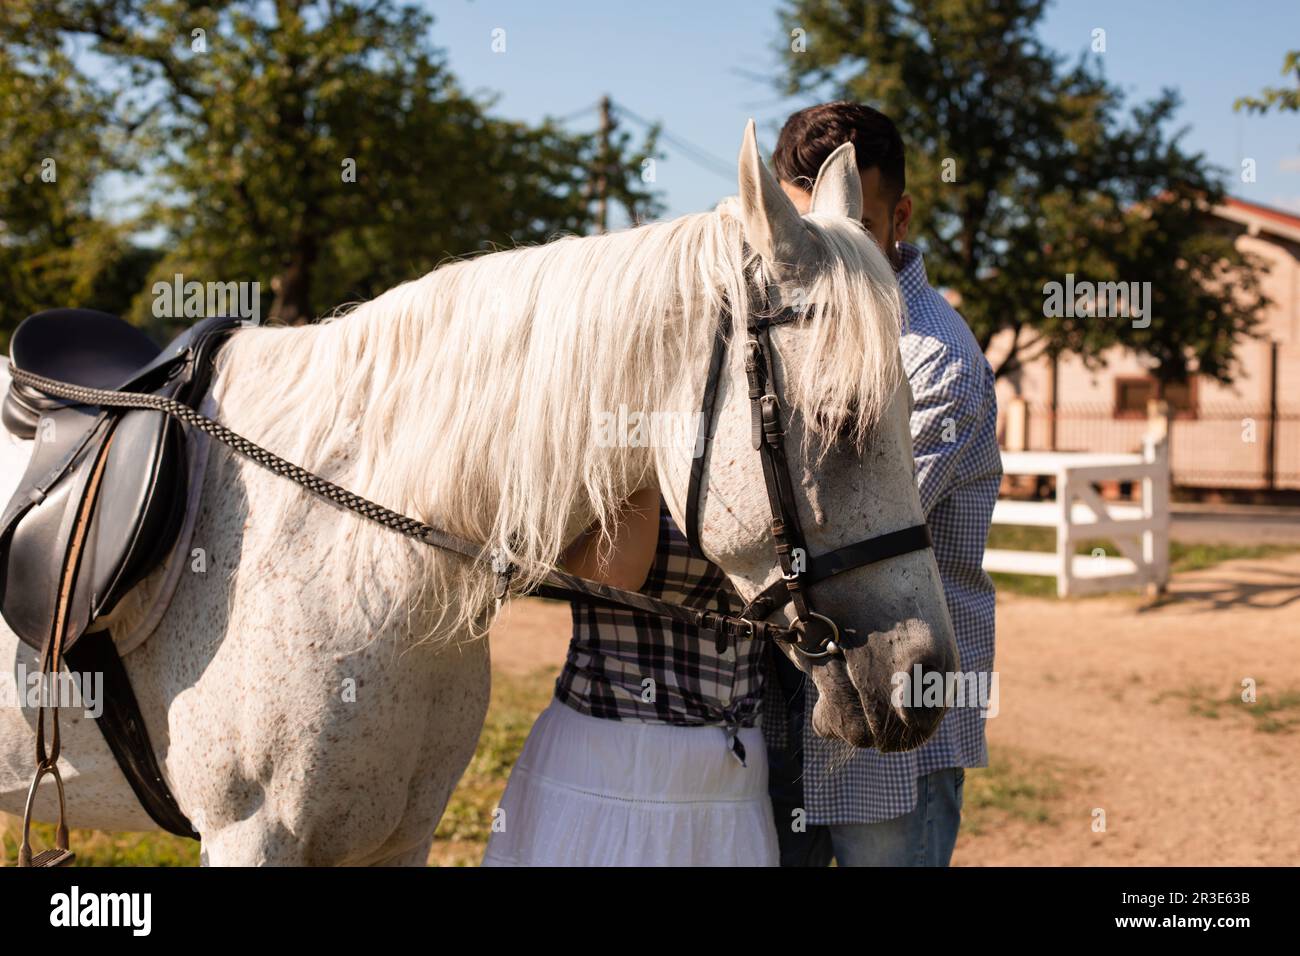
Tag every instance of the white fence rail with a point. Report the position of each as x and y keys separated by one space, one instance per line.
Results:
x=1140 y=529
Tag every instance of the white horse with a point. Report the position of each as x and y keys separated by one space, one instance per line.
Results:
x=316 y=690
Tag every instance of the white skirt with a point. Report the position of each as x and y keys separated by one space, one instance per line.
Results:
x=594 y=792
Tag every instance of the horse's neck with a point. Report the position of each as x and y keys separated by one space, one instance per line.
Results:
x=452 y=467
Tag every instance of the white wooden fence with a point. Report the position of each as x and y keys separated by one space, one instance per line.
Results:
x=1140 y=529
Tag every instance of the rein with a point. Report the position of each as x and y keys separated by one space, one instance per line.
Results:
x=556 y=584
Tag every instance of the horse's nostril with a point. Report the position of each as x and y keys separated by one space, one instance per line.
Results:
x=925 y=693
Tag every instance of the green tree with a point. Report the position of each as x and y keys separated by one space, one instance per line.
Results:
x=53 y=149
x=1026 y=168
x=1286 y=99
x=319 y=146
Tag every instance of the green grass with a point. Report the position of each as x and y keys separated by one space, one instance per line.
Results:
x=1194 y=557
x=467 y=823
x=1182 y=557
x=1271 y=713
x=97 y=848
x=1016 y=785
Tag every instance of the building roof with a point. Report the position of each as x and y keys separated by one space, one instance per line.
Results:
x=1258 y=218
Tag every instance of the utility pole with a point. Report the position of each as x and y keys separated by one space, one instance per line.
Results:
x=1270 y=450
x=602 y=170
x=1053 y=399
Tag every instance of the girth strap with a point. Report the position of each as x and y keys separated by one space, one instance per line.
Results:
x=124 y=731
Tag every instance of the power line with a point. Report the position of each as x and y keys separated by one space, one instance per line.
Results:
x=578 y=114
x=698 y=155
x=695 y=154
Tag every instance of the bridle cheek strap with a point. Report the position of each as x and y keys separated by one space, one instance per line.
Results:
x=814 y=635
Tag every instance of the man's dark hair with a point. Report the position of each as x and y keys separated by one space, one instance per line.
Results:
x=810 y=135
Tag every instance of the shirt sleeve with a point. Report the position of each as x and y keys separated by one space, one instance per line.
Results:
x=949 y=397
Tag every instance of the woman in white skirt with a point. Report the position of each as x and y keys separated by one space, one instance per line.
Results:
x=649 y=754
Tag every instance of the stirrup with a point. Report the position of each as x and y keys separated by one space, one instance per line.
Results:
x=59 y=854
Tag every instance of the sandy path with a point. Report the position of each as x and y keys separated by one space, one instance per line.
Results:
x=1107 y=688
x=530 y=635
x=1103 y=690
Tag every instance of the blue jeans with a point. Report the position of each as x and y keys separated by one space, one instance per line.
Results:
x=924 y=837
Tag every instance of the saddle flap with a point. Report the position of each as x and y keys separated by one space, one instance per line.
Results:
x=141 y=506
x=136 y=514
x=38 y=521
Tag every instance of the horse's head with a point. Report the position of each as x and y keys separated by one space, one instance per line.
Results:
x=846 y=405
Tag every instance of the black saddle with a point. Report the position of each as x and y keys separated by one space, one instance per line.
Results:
x=100 y=506
x=103 y=497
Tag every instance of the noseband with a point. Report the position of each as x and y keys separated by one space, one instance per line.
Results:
x=813 y=635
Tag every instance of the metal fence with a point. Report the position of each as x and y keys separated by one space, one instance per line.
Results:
x=1224 y=447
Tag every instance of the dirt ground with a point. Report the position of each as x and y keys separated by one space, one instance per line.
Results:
x=1114 y=711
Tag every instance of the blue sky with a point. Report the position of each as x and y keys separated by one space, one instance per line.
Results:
x=703 y=68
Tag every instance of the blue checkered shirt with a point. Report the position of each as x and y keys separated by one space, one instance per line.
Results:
x=958 y=472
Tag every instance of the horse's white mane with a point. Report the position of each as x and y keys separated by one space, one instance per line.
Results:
x=469 y=397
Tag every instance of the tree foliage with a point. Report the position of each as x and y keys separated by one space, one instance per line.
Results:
x=321 y=147
x=1026 y=168
x=1282 y=98
x=53 y=149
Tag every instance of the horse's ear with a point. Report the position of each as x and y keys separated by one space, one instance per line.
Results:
x=772 y=224
x=838 y=190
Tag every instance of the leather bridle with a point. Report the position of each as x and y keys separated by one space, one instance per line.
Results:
x=813 y=635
